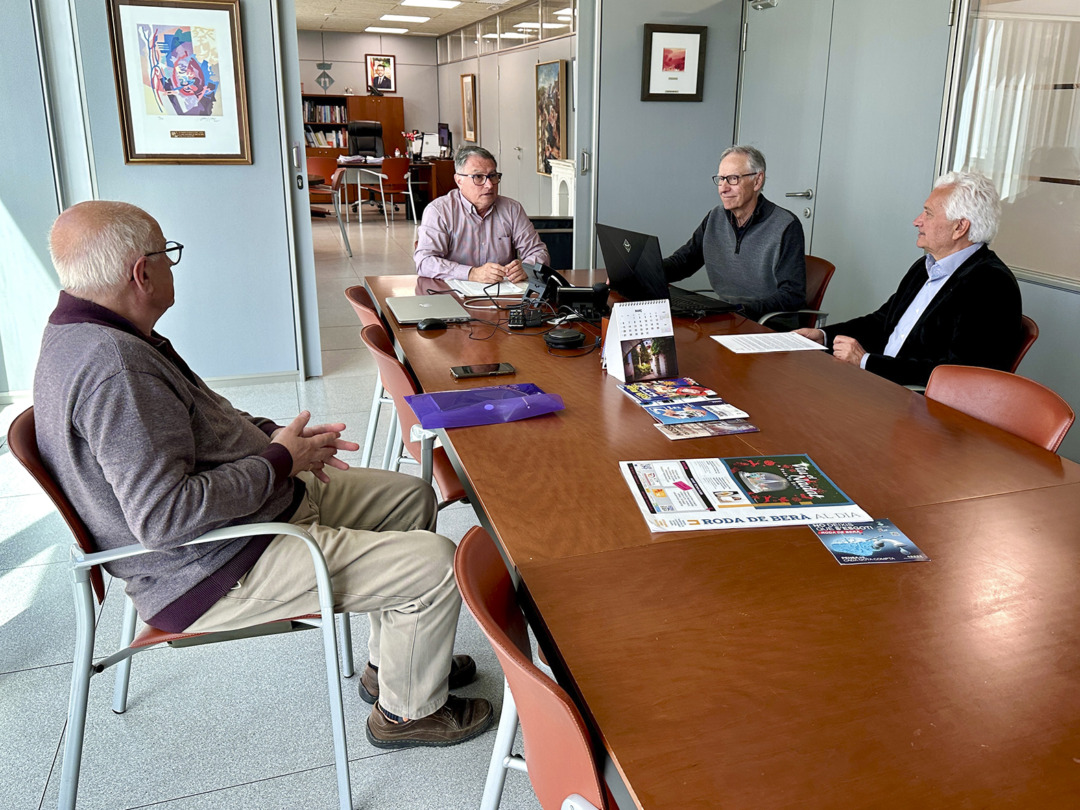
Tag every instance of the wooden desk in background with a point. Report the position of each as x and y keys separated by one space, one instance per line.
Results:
x=745 y=668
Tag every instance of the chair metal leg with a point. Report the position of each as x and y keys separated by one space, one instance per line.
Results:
x=501 y=756
x=345 y=643
x=373 y=423
x=427 y=451
x=123 y=669
x=392 y=454
x=81 y=670
x=341 y=224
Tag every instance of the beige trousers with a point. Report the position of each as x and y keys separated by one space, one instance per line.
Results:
x=374 y=528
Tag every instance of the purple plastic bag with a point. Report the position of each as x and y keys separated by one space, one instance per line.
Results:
x=489 y=405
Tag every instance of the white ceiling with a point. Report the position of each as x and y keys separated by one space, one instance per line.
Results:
x=356 y=15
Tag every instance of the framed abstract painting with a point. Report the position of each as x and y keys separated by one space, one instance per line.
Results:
x=180 y=88
x=673 y=62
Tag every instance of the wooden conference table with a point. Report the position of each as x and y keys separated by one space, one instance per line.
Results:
x=746 y=668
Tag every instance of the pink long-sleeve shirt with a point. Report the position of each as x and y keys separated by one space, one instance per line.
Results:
x=454 y=238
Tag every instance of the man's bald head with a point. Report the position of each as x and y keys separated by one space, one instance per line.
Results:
x=95 y=244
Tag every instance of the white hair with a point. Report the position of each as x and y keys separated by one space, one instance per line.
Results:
x=95 y=244
x=974 y=198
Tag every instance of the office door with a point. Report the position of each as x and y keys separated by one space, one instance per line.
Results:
x=517 y=117
x=782 y=98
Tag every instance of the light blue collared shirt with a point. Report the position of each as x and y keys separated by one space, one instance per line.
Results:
x=937 y=274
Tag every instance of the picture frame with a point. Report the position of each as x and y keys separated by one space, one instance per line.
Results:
x=381 y=72
x=673 y=62
x=468 y=107
x=550 y=114
x=180 y=88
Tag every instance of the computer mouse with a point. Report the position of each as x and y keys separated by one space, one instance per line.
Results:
x=431 y=323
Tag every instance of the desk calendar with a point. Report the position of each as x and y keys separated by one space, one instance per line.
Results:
x=640 y=341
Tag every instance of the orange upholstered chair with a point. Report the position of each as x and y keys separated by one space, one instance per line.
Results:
x=87 y=583
x=558 y=749
x=1021 y=406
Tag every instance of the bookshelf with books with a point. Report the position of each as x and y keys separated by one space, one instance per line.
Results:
x=326 y=135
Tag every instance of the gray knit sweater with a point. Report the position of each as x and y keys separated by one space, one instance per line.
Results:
x=148 y=454
x=763 y=267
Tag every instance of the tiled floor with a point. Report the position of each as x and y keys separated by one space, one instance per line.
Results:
x=239 y=725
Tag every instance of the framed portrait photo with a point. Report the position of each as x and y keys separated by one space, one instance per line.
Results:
x=468 y=107
x=673 y=64
x=381 y=72
x=550 y=114
x=179 y=67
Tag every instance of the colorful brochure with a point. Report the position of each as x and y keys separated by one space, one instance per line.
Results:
x=657 y=391
x=678 y=413
x=875 y=541
x=705 y=430
x=700 y=494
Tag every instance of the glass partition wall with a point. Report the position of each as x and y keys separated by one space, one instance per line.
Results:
x=511 y=28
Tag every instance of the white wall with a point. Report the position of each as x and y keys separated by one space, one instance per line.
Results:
x=656 y=158
x=509 y=75
x=236 y=288
x=28 y=203
x=415 y=58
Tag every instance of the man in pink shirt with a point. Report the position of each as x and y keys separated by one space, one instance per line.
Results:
x=473 y=233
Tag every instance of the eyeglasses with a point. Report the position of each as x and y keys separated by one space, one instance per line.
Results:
x=479 y=179
x=173 y=251
x=731 y=179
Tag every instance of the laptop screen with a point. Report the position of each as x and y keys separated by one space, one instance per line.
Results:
x=634 y=264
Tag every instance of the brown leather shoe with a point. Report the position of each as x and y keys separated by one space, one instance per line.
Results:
x=462 y=673
x=458 y=720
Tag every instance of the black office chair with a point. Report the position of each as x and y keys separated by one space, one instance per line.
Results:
x=365 y=138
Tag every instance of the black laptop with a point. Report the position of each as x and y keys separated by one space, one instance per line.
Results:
x=635 y=271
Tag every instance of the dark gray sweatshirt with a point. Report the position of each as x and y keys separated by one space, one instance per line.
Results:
x=762 y=266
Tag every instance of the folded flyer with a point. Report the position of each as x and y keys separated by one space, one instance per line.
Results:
x=677 y=413
x=705 y=430
x=699 y=494
x=875 y=541
x=651 y=392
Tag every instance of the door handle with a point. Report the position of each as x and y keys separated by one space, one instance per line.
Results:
x=809 y=194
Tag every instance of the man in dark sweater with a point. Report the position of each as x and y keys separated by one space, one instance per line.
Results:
x=148 y=454
x=959 y=304
x=751 y=249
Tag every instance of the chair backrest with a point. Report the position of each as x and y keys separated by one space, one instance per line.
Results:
x=1021 y=406
x=364 y=307
x=558 y=749
x=819 y=273
x=338 y=178
x=396 y=379
x=22 y=440
x=365 y=138
x=396 y=171
x=1029 y=333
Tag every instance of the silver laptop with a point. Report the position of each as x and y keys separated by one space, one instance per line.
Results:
x=410 y=309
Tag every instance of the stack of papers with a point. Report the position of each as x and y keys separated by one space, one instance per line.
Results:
x=477 y=289
x=767 y=342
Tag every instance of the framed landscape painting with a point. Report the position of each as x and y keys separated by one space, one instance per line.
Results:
x=180 y=89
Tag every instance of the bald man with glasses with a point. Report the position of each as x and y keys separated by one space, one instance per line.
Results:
x=473 y=233
x=751 y=248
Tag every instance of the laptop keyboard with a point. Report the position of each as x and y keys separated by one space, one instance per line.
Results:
x=686 y=302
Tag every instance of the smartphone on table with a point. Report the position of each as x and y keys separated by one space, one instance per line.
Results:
x=481 y=370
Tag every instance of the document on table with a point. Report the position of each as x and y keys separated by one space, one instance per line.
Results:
x=478 y=289
x=696 y=494
x=767 y=342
